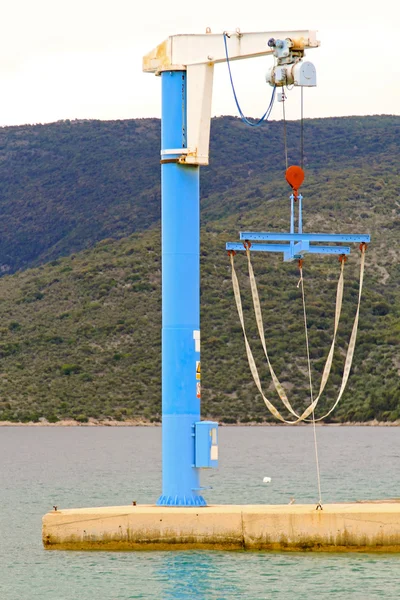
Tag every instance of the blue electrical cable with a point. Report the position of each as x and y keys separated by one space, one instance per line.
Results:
x=244 y=119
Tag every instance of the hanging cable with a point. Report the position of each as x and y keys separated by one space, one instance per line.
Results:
x=284 y=128
x=267 y=113
x=301 y=127
x=301 y=284
x=302 y=130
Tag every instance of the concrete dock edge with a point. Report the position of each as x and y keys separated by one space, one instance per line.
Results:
x=365 y=526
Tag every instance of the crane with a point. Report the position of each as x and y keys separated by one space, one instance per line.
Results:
x=185 y=64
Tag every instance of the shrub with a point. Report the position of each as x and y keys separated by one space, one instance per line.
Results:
x=81 y=418
x=69 y=369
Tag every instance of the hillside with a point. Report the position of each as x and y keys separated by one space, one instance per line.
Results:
x=67 y=185
x=80 y=335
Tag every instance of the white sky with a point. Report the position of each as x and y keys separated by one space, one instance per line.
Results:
x=82 y=59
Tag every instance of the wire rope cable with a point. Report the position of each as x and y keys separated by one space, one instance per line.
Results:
x=305 y=313
x=284 y=128
x=301 y=282
x=284 y=97
x=245 y=120
x=302 y=129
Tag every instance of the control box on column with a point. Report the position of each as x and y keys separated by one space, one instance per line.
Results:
x=206 y=444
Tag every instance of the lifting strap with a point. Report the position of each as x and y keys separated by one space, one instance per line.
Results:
x=257 y=310
x=253 y=368
x=353 y=338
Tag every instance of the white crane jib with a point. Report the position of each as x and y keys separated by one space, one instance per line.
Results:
x=196 y=54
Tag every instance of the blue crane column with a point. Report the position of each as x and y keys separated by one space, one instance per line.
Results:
x=180 y=218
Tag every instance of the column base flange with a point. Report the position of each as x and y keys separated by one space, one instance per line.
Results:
x=192 y=500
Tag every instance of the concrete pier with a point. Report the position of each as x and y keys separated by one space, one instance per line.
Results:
x=363 y=526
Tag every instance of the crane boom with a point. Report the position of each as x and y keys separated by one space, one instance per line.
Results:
x=196 y=54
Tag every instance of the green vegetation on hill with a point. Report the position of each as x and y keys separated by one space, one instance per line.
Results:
x=67 y=185
x=80 y=335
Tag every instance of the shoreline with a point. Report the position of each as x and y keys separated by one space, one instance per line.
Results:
x=143 y=423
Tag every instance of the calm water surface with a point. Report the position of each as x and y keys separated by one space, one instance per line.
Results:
x=74 y=467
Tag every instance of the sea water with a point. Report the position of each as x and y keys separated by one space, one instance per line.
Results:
x=99 y=466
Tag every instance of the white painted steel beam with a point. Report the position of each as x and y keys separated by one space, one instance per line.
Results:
x=199 y=98
x=179 y=51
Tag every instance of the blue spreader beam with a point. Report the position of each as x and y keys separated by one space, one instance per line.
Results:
x=311 y=237
x=286 y=248
x=300 y=242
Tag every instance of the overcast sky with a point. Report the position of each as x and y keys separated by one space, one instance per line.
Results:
x=83 y=58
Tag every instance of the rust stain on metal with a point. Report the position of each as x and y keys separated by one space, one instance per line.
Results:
x=158 y=58
x=299 y=44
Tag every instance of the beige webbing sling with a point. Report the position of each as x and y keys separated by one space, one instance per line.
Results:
x=278 y=386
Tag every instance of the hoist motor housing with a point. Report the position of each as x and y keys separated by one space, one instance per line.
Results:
x=299 y=74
